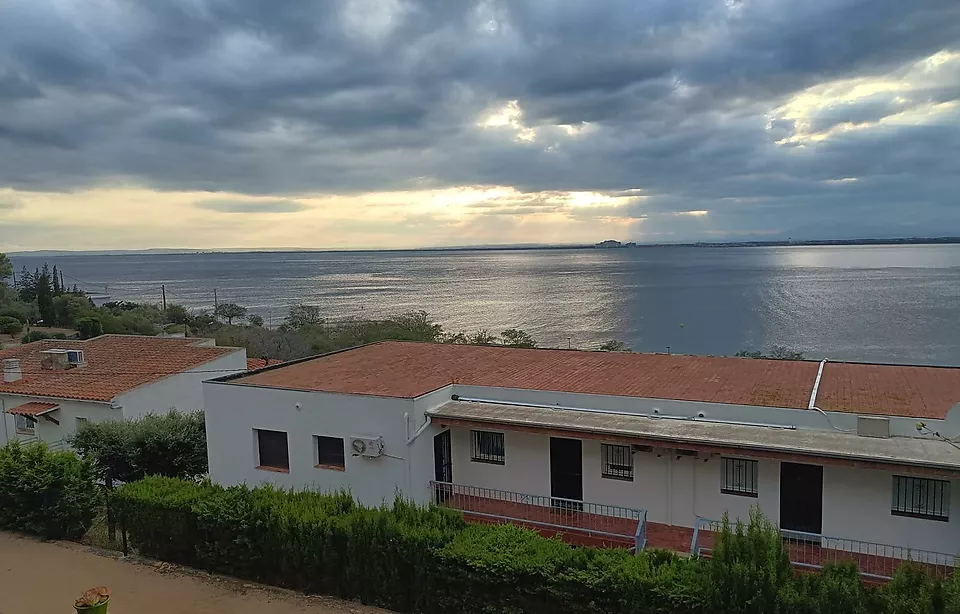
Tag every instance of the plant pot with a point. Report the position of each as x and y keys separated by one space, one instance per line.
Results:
x=94 y=609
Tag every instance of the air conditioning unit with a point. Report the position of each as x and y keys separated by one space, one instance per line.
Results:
x=370 y=447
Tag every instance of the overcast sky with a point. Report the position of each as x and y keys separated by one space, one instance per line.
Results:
x=403 y=123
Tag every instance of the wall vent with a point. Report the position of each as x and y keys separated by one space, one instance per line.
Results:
x=872 y=426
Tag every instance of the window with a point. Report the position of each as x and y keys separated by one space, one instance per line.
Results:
x=921 y=498
x=738 y=477
x=25 y=426
x=330 y=452
x=273 y=453
x=487 y=447
x=617 y=462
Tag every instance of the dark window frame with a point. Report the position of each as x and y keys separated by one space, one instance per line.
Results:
x=24 y=425
x=488 y=447
x=334 y=457
x=731 y=468
x=275 y=460
x=932 y=502
x=612 y=466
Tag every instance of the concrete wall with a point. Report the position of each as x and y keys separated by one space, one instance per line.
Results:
x=234 y=411
x=67 y=416
x=799 y=418
x=183 y=391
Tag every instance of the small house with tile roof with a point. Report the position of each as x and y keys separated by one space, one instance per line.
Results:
x=852 y=461
x=51 y=387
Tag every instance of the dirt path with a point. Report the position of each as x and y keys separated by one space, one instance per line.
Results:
x=45 y=577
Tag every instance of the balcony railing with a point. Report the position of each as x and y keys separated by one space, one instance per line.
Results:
x=811 y=551
x=611 y=523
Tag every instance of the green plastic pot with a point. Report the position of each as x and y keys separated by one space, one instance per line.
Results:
x=94 y=609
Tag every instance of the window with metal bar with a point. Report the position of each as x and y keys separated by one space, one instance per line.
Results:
x=487 y=447
x=921 y=498
x=738 y=476
x=617 y=462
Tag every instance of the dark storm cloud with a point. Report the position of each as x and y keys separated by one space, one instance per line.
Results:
x=678 y=98
x=250 y=206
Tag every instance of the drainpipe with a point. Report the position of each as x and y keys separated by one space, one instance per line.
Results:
x=816 y=386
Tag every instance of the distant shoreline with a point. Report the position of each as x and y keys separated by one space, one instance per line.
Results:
x=187 y=251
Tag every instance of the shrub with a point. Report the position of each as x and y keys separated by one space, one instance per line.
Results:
x=51 y=494
x=749 y=566
x=89 y=327
x=172 y=444
x=412 y=559
x=10 y=325
x=38 y=335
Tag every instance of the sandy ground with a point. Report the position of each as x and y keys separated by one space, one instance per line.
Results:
x=45 y=577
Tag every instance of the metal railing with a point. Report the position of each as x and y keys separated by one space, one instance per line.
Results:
x=812 y=551
x=621 y=524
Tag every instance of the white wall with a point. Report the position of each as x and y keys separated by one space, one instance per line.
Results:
x=526 y=467
x=234 y=411
x=183 y=391
x=856 y=505
x=67 y=416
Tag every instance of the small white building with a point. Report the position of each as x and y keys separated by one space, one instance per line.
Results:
x=645 y=447
x=50 y=387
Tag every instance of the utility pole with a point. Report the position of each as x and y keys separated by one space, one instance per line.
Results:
x=163 y=296
x=215 y=303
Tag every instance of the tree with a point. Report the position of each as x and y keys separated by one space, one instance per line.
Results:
x=614 y=346
x=6 y=268
x=303 y=315
x=27 y=286
x=67 y=308
x=229 y=311
x=89 y=327
x=45 y=297
x=57 y=290
x=177 y=314
x=516 y=338
x=255 y=320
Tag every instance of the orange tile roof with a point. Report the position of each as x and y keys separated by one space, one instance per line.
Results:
x=33 y=408
x=407 y=369
x=114 y=365
x=259 y=363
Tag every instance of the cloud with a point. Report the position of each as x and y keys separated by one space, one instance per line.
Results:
x=260 y=205
x=748 y=110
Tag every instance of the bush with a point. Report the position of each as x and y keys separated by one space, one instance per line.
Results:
x=749 y=566
x=39 y=335
x=412 y=559
x=172 y=444
x=89 y=327
x=51 y=494
x=10 y=325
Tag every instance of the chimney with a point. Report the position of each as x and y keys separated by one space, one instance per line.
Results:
x=11 y=370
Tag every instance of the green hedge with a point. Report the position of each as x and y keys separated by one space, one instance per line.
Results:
x=51 y=494
x=413 y=559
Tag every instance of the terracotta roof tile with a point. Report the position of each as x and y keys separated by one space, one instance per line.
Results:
x=114 y=365
x=259 y=363
x=33 y=408
x=403 y=369
x=406 y=369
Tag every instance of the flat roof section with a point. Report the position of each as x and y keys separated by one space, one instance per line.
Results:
x=727 y=438
x=406 y=369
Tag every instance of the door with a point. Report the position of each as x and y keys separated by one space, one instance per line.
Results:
x=443 y=464
x=566 y=470
x=801 y=498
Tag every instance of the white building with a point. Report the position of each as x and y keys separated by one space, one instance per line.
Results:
x=610 y=443
x=50 y=387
